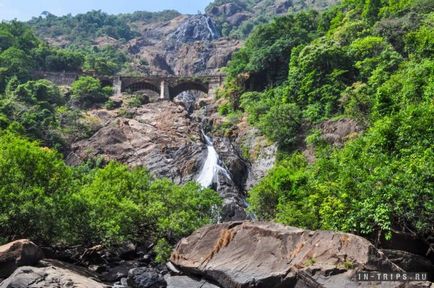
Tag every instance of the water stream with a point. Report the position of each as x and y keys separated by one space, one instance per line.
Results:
x=209 y=27
x=211 y=168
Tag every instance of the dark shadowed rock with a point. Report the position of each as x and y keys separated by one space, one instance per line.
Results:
x=269 y=255
x=408 y=261
x=18 y=253
x=145 y=278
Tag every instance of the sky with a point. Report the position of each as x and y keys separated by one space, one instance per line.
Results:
x=26 y=9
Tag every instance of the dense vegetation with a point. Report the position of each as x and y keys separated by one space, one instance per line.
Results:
x=370 y=61
x=38 y=108
x=50 y=202
x=81 y=30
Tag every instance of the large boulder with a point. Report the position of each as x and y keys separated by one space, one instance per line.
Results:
x=48 y=277
x=269 y=255
x=18 y=253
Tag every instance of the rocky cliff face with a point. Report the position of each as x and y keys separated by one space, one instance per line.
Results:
x=185 y=45
x=159 y=136
x=167 y=138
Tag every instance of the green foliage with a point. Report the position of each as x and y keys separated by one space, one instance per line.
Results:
x=266 y=49
x=88 y=90
x=103 y=61
x=367 y=60
x=32 y=106
x=82 y=28
x=33 y=182
x=14 y=63
x=379 y=181
x=137 y=100
x=47 y=201
x=64 y=60
x=420 y=43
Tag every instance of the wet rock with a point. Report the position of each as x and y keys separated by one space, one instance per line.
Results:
x=187 y=100
x=196 y=27
x=145 y=278
x=246 y=254
x=18 y=253
x=258 y=151
x=50 y=276
x=232 y=161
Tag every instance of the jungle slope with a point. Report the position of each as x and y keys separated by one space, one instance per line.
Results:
x=348 y=96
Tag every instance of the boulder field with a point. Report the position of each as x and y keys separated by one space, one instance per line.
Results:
x=234 y=254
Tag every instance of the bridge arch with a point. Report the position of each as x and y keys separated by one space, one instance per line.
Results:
x=137 y=86
x=186 y=86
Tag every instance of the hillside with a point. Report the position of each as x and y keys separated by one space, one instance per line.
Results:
x=348 y=97
x=167 y=42
x=238 y=18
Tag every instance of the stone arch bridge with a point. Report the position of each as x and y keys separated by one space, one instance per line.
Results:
x=167 y=86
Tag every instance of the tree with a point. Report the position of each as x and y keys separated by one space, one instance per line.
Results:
x=88 y=90
x=34 y=180
x=14 y=62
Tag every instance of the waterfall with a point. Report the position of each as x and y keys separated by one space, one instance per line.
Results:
x=211 y=167
x=209 y=27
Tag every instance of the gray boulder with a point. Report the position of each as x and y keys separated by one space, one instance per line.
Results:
x=48 y=277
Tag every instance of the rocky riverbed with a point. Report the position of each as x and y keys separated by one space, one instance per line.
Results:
x=227 y=255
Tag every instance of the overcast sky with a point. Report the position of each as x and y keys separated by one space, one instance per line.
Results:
x=26 y=9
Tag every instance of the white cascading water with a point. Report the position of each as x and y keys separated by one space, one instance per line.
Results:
x=209 y=27
x=211 y=167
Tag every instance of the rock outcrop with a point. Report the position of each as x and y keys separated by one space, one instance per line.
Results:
x=269 y=255
x=159 y=136
x=184 y=45
x=18 y=253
